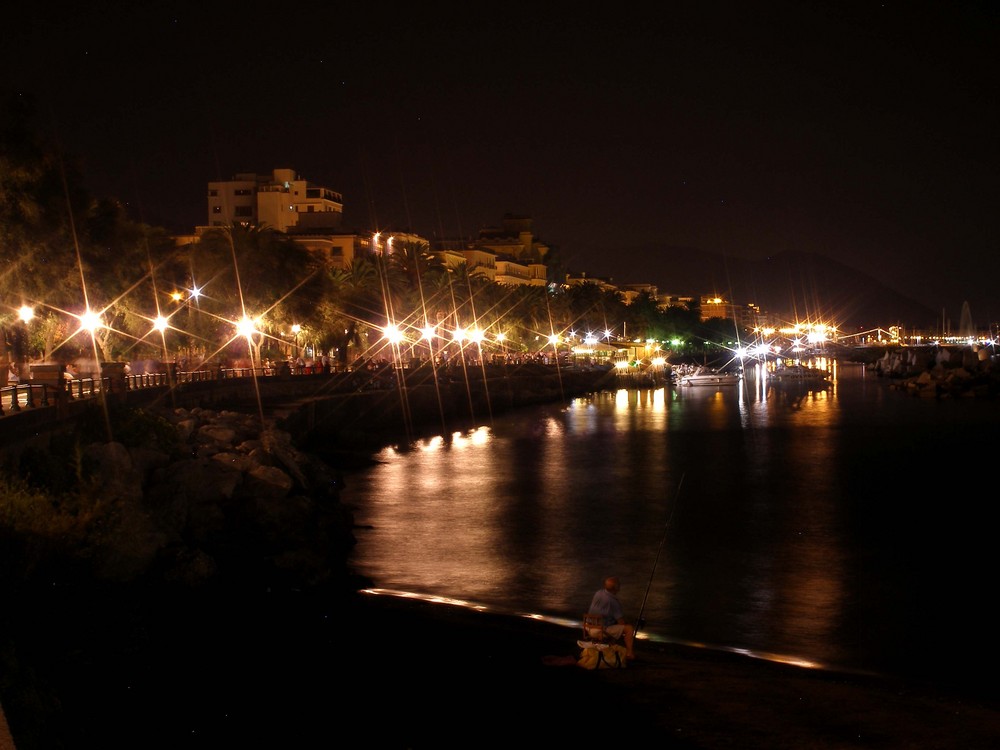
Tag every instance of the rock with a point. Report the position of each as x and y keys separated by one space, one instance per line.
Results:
x=237 y=491
x=268 y=481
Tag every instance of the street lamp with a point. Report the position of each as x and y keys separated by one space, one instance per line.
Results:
x=26 y=313
x=427 y=333
x=295 y=336
x=250 y=329
x=554 y=341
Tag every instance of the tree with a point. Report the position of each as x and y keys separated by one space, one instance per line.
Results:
x=644 y=317
x=594 y=308
x=260 y=275
x=353 y=307
x=121 y=262
x=40 y=193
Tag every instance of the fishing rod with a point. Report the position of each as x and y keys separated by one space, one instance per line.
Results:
x=639 y=622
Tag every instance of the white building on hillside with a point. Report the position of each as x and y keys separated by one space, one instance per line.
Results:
x=281 y=201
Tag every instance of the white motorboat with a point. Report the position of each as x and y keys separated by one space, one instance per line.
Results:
x=709 y=376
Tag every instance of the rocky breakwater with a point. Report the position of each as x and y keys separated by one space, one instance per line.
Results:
x=942 y=372
x=232 y=499
x=189 y=497
x=454 y=399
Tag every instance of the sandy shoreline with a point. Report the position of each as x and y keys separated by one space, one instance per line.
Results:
x=313 y=669
x=449 y=676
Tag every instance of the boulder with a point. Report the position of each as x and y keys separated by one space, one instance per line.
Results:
x=237 y=490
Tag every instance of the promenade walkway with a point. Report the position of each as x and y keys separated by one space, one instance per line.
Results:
x=36 y=407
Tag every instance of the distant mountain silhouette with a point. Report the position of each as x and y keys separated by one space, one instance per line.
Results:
x=788 y=285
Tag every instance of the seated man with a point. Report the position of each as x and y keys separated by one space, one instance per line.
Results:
x=606 y=604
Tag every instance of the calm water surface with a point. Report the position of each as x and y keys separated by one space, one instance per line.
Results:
x=848 y=526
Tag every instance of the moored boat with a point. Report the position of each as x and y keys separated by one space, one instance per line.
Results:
x=709 y=376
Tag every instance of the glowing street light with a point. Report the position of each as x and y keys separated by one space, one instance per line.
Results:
x=427 y=335
x=26 y=313
x=246 y=328
x=392 y=334
x=90 y=321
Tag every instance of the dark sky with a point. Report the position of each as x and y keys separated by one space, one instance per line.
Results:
x=866 y=132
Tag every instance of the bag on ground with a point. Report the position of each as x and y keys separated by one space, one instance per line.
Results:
x=604 y=657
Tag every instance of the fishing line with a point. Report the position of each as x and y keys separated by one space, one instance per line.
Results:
x=639 y=622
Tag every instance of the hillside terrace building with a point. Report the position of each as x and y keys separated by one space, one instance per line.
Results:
x=312 y=215
x=509 y=254
x=605 y=285
x=514 y=238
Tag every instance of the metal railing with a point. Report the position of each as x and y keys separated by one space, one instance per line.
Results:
x=30 y=394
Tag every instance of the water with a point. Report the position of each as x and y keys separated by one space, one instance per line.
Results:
x=847 y=527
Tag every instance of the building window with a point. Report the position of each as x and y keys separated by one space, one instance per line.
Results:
x=213 y=193
x=216 y=209
x=243 y=211
x=243 y=191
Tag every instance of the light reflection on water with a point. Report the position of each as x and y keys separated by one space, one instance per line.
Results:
x=787 y=535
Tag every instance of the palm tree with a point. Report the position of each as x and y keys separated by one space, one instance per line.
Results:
x=353 y=307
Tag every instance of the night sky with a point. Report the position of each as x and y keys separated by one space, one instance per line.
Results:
x=866 y=132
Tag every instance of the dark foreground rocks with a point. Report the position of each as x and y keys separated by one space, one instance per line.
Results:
x=182 y=561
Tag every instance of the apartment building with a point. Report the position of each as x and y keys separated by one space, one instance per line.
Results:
x=745 y=316
x=282 y=200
